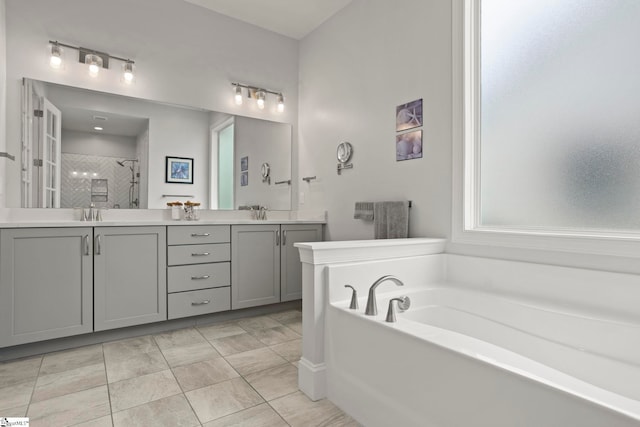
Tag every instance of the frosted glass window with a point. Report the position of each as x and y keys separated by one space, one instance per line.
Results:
x=225 y=168
x=560 y=114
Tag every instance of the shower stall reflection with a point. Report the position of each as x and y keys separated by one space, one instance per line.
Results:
x=133 y=183
x=107 y=182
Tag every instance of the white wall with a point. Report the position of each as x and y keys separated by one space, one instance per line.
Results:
x=354 y=70
x=184 y=54
x=98 y=144
x=263 y=142
x=3 y=99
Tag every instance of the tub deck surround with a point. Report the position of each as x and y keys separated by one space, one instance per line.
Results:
x=485 y=342
x=411 y=260
x=34 y=217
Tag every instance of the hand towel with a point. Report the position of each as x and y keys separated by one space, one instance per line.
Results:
x=391 y=220
x=364 y=210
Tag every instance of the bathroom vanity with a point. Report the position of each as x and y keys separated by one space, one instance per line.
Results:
x=59 y=281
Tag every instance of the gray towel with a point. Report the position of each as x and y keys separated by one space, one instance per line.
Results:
x=364 y=210
x=391 y=220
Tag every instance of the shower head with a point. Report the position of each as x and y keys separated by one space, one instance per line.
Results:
x=122 y=162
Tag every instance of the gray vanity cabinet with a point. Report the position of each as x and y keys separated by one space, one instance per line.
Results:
x=255 y=265
x=46 y=283
x=130 y=279
x=290 y=266
x=265 y=267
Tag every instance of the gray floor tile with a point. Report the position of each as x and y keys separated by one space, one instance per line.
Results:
x=205 y=373
x=144 y=389
x=135 y=365
x=16 y=395
x=259 y=322
x=74 y=358
x=294 y=325
x=123 y=349
x=71 y=408
x=98 y=422
x=273 y=336
x=18 y=412
x=236 y=344
x=221 y=330
x=172 y=411
x=19 y=371
x=285 y=316
x=258 y=416
x=69 y=381
x=298 y=410
x=255 y=360
x=222 y=399
x=179 y=338
x=178 y=356
x=274 y=382
x=290 y=350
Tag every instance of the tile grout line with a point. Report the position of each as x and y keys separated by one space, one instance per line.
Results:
x=33 y=390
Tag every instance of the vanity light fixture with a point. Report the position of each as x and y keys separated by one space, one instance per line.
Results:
x=238 y=95
x=259 y=94
x=128 y=72
x=94 y=59
x=56 y=56
x=260 y=99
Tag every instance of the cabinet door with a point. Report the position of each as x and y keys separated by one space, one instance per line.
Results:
x=255 y=265
x=291 y=268
x=130 y=279
x=45 y=284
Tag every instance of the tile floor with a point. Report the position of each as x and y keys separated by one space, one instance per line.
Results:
x=239 y=373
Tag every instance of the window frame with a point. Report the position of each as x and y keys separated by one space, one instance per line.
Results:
x=466 y=228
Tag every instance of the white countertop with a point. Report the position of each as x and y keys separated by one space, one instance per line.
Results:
x=30 y=218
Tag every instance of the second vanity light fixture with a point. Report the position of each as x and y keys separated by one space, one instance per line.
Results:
x=94 y=59
x=259 y=94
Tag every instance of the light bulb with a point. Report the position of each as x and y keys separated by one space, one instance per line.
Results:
x=280 y=106
x=260 y=100
x=94 y=62
x=238 y=95
x=55 y=61
x=128 y=72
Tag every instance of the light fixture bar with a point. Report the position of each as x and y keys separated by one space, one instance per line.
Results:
x=91 y=51
x=257 y=89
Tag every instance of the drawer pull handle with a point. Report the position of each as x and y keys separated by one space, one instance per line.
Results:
x=200 y=277
x=201 y=302
x=200 y=235
x=202 y=254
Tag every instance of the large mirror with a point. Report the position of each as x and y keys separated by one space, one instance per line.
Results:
x=82 y=147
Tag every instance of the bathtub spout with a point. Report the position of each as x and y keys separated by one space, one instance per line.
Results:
x=372 y=307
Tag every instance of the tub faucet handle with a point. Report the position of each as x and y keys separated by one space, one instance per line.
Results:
x=403 y=304
x=354 y=298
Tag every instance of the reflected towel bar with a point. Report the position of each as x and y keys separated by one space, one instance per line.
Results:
x=287 y=181
x=178 y=195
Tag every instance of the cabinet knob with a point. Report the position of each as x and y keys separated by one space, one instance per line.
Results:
x=201 y=302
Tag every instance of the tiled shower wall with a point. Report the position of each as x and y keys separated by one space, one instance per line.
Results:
x=76 y=187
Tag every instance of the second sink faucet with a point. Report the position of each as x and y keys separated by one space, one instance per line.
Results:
x=372 y=307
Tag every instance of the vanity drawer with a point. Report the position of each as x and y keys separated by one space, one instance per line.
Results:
x=199 y=276
x=198 y=254
x=193 y=303
x=198 y=234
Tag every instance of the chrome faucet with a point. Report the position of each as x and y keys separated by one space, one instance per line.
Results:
x=372 y=307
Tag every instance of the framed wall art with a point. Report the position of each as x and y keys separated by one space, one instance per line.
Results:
x=179 y=170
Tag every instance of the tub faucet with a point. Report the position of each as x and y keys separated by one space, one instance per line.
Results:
x=372 y=307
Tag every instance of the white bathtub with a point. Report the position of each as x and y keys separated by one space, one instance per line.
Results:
x=461 y=357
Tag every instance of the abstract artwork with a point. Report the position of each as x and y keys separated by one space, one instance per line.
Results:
x=179 y=170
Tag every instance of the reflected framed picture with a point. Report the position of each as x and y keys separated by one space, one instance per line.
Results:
x=179 y=170
x=244 y=179
x=409 y=145
x=244 y=163
x=409 y=115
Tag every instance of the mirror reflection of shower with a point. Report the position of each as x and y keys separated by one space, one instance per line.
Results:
x=133 y=183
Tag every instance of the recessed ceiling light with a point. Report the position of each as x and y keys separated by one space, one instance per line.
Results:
x=97 y=128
